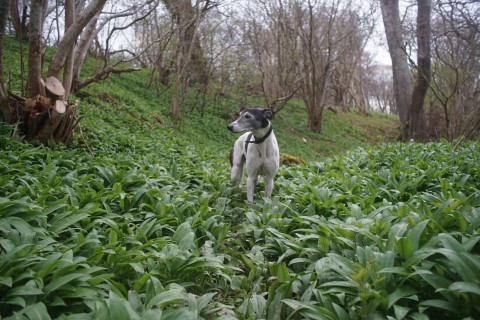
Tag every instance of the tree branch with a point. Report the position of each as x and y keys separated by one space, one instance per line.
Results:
x=104 y=73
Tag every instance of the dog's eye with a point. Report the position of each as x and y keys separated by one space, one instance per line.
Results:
x=247 y=116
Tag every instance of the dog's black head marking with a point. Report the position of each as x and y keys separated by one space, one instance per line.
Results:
x=260 y=114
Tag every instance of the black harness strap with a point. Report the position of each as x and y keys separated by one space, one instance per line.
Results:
x=259 y=140
x=247 y=142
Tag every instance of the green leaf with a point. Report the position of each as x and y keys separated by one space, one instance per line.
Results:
x=67 y=221
x=415 y=234
x=184 y=236
x=404 y=247
x=449 y=242
x=120 y=309
x=172 y=296
x=467 y=287
x=152 y=314
x=95 y=280
x=154 y=287
x=24 y=291
x=439 y=304
x=7 y=281
x=59 y=282
x=112 y=237
x=400 y=293
x=310 y=310
x=37 y=311
x=137 y=197
x=401 y=312
x=204 y=300
x=283 y=274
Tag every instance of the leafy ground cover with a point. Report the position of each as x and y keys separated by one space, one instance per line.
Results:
x=150 y=228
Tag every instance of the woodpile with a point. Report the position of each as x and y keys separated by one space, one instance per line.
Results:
x=47 y=117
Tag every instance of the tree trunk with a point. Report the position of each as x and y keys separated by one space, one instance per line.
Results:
x=417 y=128
x=3 y=23
x=35 y=48
x=186 y=17
x=69 y=61
x=19 y=24
x=71 y=35
x=84 y=43
x=315 y=120
x=398 y=54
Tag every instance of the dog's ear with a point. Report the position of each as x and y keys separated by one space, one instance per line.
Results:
x=268 y=114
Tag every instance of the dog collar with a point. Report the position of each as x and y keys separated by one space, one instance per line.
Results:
x=258 y=140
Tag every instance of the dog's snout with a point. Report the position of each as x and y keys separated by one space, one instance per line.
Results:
x=230 y=127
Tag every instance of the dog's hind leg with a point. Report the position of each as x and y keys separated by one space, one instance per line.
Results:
x=250 y=187
x=268 y=186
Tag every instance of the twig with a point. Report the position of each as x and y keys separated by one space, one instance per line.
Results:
x=16 y=96
x=85 y=141
x=14 y=132
x=458 y=144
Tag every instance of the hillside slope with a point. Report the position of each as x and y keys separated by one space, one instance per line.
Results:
x=341 y=131
x=130 y=94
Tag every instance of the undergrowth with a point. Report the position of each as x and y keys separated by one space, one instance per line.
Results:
x=151 y=228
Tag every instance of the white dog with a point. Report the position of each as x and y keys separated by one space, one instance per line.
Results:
x=257 y=148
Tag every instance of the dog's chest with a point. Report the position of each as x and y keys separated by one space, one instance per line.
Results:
x=262 y=159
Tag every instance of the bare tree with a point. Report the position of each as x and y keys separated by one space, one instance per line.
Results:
x=3 y=22
x=348 y=81
x=187 y=16
x=456 y=67
x=416 y=112
x=18 y=16
x=133 y=14
x=190 y=63
x=273 y=36
x=35 y=47
x=398 y=54
x=380 y=88
x=321 y=34
x=410 y=104
x=71 y=35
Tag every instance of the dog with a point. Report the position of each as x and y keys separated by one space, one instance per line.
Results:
x=257 y=148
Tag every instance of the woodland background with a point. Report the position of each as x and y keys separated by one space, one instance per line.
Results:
x=319 y=52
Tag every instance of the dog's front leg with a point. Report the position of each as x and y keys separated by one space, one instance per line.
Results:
x=250 y=188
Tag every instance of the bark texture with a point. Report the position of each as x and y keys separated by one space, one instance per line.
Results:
x=35 y=48
x=398 y=54
x=417 y=128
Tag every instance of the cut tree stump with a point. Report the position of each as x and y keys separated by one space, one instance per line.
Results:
x=60 y=106
x=46 y=118
x=45 y=134
x=55 y=87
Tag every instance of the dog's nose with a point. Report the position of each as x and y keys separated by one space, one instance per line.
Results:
x=230 y=127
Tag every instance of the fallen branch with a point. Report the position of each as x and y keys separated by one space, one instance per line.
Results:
x=16 y=96
x=103 y=74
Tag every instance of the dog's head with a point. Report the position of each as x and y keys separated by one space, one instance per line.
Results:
x=251 y=119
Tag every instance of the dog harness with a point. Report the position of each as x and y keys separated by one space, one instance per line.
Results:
x=257 y=141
